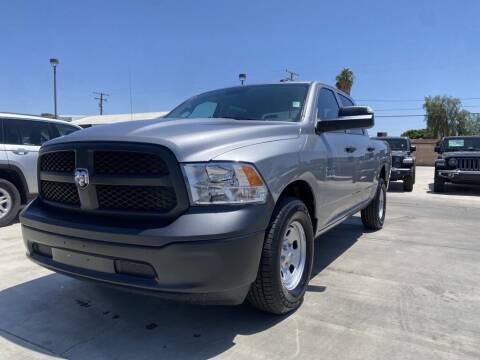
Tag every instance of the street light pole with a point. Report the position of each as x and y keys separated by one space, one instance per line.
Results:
x=54 y=62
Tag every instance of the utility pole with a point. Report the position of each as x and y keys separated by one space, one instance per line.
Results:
x=101 y=98
x=54 y=62
x=291 y=75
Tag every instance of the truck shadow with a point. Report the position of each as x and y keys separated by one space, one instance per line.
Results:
x=63 y=317
x=396 y=186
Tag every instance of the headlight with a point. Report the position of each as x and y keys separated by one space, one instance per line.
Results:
x=452 y=162
x=408 y=161
x=224 y=183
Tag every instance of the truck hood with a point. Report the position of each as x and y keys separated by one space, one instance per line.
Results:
x=462 y=154
x=189 y=139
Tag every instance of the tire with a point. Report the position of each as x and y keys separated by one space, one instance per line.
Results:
x=408 y=183
x=9 y=202
x=438 y=184
x=272 y=291
x=373 y=216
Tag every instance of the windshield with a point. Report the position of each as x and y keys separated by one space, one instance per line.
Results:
x=282 y=102
x=398 y=144
x=462 y=144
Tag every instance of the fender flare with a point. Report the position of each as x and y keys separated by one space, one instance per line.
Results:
x=24 y=191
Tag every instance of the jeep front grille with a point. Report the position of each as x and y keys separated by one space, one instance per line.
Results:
x=469 y=164
x=124 y=179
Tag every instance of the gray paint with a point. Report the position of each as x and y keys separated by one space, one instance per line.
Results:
x=283 y=152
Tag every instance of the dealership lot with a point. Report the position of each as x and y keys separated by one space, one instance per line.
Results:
x=409 y=291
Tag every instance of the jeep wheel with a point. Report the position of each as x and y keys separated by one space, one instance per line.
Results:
x=438 y=183
x=287 y=259
x=373 y=216
x=9 y=202
x=408 y=183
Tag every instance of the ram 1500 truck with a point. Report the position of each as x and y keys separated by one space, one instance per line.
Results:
x=218 y=202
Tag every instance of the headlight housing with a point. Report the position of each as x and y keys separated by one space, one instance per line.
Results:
x=224 y=183
x=408 y=161
x=452 y=162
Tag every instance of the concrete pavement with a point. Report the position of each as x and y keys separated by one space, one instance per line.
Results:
x=409 y=291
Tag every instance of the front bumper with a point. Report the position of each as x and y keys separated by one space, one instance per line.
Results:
x=400 y=173
x=205 y=256
x=460 y=176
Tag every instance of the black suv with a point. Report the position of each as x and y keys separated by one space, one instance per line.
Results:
x=458 y=161
x=403 y=163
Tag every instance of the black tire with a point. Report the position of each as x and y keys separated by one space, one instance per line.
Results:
x=408 y=183
x=371 y=217
x=438 y=184
x=9 y=190
x=268 y=293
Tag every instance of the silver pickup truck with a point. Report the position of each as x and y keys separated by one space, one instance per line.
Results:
x=218 y=202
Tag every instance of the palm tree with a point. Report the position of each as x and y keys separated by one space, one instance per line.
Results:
x=345 y=80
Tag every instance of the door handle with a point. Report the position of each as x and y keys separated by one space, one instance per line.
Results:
x=20 y=151
x=350 y=149
x=370 y=149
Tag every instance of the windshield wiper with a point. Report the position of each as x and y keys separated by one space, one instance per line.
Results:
x=237 y=118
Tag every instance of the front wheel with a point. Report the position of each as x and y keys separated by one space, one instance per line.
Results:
x=9 y=202
x=373 y=216
x=438 y=184
x=287 y=259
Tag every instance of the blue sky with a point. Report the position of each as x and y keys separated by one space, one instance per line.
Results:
x=175 y=49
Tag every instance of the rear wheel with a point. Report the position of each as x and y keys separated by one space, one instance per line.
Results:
x=9 y=202
x=373 y=216
x=287 y=259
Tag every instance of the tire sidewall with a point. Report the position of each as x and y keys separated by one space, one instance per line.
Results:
x=381 y=191
x=296 y=211
x=15 y=196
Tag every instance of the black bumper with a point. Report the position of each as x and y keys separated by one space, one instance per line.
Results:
x=460 y=176
x=205 y=256
x=400 y=173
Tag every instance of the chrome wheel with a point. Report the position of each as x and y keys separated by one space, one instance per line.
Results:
x=381 y=203
x=5 y=203
x=293 y=255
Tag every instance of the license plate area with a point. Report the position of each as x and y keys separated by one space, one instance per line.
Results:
x=83 y=261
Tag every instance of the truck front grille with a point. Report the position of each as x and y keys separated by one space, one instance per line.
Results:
x=60 y=192
x=136 y=198
x=61 y=161
x=124 y=179
x=469 y=164
x=127 y=163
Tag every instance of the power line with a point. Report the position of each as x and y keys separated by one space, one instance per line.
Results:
x=409 y=100
x=101 y=99
x=402 y=109
x=412 y=115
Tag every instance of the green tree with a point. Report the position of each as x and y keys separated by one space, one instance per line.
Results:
x=417 y=134
x=445 y=116
x=345 y=80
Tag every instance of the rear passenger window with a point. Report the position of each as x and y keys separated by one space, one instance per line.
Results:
x=65 y=129
x=26 y=132
x=327 y=106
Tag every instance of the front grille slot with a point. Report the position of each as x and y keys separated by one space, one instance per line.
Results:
x=136 y=198
x=60 y=192
x=469 y=164
x=128 y=163
x=60 y=161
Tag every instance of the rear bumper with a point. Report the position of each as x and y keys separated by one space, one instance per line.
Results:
x=460 y=176
x=211 y=258
x=400 y=173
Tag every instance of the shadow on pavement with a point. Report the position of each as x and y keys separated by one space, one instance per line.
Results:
x=457 y=189
x=396 y=186
x=61 y=316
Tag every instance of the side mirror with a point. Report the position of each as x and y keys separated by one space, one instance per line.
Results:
x=438 y=150
x=413 y=148
x=350 y=117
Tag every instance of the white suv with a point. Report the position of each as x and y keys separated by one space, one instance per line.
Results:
x=20 y=139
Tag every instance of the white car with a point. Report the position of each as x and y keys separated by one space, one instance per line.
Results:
x=20 y=139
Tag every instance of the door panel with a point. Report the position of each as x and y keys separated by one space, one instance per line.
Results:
x=23 y=139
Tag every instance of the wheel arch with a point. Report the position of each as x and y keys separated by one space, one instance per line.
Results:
x=16 y=177
x=302 y=190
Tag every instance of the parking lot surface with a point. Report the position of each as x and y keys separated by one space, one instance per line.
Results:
x=409 y=291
